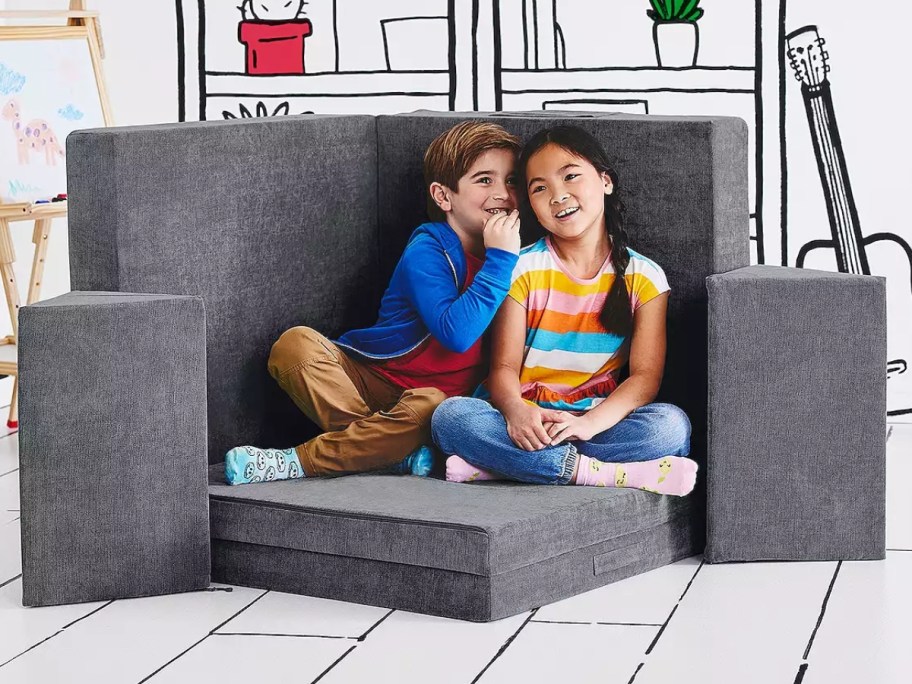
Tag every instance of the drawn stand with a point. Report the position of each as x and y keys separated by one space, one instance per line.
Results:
x=80 y=25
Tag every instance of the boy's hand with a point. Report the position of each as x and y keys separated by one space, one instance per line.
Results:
x=501 y=231
x=524 y=425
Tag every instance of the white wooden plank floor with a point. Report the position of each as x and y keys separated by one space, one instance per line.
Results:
x=770 y=623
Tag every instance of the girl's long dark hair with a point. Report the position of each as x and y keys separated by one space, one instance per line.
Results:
x=615 y=315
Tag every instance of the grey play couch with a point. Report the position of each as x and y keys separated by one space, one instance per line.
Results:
x=300 y=220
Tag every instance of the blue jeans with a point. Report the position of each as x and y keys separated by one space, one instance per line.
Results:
x=477 y=432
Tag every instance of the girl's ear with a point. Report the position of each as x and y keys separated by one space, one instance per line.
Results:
x=609 y=184
x=441 y=196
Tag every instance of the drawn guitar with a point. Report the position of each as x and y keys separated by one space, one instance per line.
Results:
x=883 y=254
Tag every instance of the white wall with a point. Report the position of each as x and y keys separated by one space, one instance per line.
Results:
x=867 y=52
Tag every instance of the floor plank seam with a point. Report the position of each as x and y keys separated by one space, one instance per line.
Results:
x=503 y=648
x=59 y=631
x=661 y=630
x=667 y=620
x=179 y=655
x=336 y=662
x=822 y=611
x=375 y=625
x=11 y=579
x=211 y=632
x=292 y=636
x=89 y=614
x=636 y=672
x=612 y=624
x=34 y=646
x=217 y=628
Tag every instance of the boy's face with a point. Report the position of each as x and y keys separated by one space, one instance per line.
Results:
x=487 y=189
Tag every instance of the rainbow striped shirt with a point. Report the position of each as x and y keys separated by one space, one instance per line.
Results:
x=570 y=362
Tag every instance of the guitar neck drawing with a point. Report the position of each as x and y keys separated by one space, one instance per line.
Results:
x=883 y=254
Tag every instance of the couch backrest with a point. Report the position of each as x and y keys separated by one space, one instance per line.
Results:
x=300 y=220
x=684 y=181
x=273 y=222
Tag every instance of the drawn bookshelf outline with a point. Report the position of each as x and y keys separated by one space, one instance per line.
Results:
x=508 y=55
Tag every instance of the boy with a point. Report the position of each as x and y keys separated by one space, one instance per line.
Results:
x=374 y=390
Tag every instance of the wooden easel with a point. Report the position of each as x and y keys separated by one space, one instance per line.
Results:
x=80 y=24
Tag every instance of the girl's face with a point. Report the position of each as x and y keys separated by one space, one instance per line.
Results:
x=566 y=192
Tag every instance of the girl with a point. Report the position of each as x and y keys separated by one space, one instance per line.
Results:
x=560 y=340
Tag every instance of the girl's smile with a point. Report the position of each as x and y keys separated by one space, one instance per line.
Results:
x=566 y=192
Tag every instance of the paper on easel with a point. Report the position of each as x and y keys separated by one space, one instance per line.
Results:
x=47 y=90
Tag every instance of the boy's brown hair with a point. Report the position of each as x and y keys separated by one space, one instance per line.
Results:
x=452 y=153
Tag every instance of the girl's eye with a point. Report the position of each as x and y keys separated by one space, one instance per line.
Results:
x=538 y=188
x=571 y=176
x=485 y=180
x=511 y=181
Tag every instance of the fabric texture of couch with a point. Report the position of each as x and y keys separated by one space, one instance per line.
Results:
x=112 y=454
x=797 y=418
x=299 y=220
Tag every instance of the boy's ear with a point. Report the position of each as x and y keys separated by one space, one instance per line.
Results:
x=609 y=184
x=441 y=196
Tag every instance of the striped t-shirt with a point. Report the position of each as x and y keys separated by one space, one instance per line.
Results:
x=570 y=362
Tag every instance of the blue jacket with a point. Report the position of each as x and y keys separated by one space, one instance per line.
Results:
x=423 y=297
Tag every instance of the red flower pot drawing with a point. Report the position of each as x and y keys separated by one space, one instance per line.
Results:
x=274 y=47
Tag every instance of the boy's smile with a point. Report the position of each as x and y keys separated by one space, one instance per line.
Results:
x=487 y=189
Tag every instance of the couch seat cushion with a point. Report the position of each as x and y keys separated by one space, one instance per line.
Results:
x=481 y=528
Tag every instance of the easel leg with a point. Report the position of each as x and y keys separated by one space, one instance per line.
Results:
x=40 y=238
x=11 y=289
x=12 y=422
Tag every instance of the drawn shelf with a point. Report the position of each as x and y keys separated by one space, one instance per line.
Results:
x=522 y=88
x=338 y=93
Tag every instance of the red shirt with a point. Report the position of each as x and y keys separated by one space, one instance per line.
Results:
x=433 y=365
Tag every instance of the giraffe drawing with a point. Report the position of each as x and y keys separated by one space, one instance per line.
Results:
x=37 y=135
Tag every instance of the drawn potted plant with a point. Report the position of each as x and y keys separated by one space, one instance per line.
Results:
x=273 y=31
x=675 y=31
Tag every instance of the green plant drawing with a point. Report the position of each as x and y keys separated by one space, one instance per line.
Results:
x=664 y=11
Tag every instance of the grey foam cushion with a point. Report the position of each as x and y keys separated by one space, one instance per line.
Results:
x=684 y=181
x=112 y=447
x=797 y=415
x=479 y=528
x=273 y=222
x=485 y=530
x=299 y=220
x=451 y=593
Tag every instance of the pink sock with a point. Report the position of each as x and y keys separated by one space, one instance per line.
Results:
x=458 y=470
x=668 y=475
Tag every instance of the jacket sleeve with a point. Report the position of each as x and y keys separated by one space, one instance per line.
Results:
x=456 y=320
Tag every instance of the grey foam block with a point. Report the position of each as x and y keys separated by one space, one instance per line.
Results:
x=797 y=415
x=112 y=447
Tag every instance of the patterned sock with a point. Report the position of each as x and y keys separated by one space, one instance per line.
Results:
x=458 y=470
x=669 y=475
x=419 y=463
x=247 y=464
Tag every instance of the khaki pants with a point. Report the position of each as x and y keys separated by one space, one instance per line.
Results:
x=370 y=423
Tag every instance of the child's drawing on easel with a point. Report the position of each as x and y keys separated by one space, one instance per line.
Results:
x=47 y=90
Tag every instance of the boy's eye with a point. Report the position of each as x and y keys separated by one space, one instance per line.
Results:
x=571 y=176
x=511 y=180
x=537 y=188
x=485 y=180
